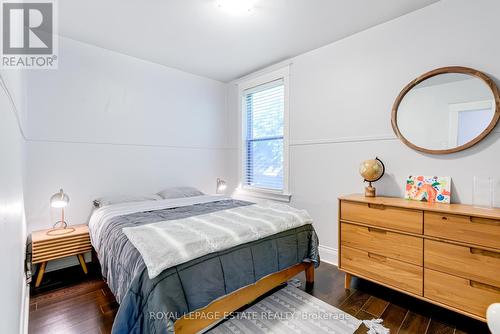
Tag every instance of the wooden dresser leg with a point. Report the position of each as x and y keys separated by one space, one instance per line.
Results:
x=347 y=282
x=82 y=263
x=39 y=276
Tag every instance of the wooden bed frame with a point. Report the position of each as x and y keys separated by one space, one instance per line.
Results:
x=218 y=309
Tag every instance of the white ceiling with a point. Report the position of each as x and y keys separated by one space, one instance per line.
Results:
x=198 y=37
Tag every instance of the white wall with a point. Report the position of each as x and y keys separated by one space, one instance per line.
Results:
x=105 y=124
x=341 y=101
x=13 y=289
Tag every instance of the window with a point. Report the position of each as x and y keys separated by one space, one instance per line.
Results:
x=467 y=120
x=264 y=142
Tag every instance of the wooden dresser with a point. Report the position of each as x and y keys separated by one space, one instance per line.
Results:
x=446 y=254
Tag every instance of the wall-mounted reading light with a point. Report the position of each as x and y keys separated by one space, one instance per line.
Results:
x=221 y=186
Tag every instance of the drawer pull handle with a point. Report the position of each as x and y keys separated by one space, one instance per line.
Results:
x=376 y=230
x=444 y=218
x=377 y=206
x=487 y=221
x=483 y=286
x=484 y=252
x=376 y=257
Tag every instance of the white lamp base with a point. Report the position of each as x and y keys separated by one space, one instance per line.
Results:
x=60 y=228
x=60 y=231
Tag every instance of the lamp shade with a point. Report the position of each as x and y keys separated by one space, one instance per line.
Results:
x=59 y=200
x=221 y=186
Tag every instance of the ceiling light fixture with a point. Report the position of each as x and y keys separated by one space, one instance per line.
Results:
x=236 y=6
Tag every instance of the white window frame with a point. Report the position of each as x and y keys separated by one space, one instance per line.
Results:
x=243 y=189
x=456 y=108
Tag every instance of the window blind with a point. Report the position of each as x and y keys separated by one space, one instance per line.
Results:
x=264 y=106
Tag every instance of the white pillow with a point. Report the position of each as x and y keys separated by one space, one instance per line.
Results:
x=178 y=192
x=108 y=200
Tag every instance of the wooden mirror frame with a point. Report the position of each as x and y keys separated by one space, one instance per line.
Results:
x=451 y=69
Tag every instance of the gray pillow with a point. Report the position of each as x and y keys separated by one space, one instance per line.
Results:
x=108 y=200
x=178 y=192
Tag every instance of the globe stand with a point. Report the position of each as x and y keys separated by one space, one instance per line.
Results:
x=371 y=173
x=370 y=191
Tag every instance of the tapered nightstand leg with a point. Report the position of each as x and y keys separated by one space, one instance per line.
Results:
x=347 y=282
x=82 y=263
x=39 y=276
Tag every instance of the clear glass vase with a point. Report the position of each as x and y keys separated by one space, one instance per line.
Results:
x=483 y=192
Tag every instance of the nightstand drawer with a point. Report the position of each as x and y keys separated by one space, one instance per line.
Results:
x=381 y=269
x=383 y=216
x=474 y=230
x=459 y=292
x=467 y=262
x=390 y=244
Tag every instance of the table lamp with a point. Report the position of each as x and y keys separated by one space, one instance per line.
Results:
x=221 y=186
x=60 y=200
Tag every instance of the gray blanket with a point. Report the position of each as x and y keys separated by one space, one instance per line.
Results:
x=152 y=305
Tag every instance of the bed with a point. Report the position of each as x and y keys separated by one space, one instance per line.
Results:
x=196 y=287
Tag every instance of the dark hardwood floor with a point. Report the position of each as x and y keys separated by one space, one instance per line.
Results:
x=70 y=302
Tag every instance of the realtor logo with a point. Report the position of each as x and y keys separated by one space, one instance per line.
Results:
x=28 y=34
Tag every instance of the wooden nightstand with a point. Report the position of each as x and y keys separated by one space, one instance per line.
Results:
x=46 y=247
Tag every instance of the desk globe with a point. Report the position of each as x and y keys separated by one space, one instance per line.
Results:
x=371 y=170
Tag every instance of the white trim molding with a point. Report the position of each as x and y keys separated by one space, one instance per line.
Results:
x=67 y=262
x=25 y=309
x=456 y=108
x=145 y=145
x=353 y=139
x=263 y=193
x=329 y=255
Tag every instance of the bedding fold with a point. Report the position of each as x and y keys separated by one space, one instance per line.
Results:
x=169 y=243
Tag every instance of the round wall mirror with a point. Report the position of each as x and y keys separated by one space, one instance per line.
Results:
x=446 y=110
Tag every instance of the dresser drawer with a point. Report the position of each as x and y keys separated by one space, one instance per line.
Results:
x=395 y=273
x=460 y=293
x=383 y=216
x=390 y=244
x=467 y=262
x=474 y=230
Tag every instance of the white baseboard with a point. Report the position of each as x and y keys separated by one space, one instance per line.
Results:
x=66 y=262
x=25 y=308
x=329 y=255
